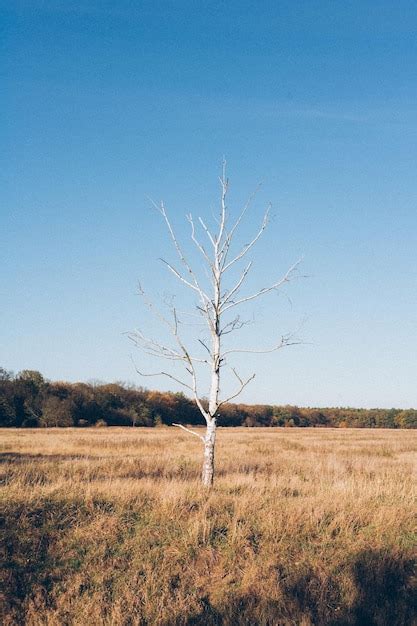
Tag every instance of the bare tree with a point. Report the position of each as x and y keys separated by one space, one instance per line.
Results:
x=215 y=305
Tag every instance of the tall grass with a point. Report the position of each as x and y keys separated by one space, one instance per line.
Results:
x=303 y=527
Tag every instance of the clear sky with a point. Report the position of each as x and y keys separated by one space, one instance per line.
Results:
x=106 y=103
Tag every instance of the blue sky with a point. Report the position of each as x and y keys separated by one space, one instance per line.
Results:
x=104 y=104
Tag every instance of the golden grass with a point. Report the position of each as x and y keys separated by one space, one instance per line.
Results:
x=303 y=527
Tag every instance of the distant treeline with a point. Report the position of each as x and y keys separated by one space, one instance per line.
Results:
x=29 y=400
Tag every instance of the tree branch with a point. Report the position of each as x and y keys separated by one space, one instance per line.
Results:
x=208 y=233
x=195 y=240
x=204 y=297
x=250 y=245
x=224 y=182
x=177 y=380
x=188 y=430
x=242 y=386
x=182 y=279
x=229 y=237
x=235 y=324
x=236 y=288
x=154 y=348
x=285 y=341
x=277 y=285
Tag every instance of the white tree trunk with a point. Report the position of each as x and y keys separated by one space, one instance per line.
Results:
x=208 y=463
x=210 y=437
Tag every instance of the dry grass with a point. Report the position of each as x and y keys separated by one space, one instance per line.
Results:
x=303 y=527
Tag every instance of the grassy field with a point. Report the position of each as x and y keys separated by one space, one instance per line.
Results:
x=303 y=527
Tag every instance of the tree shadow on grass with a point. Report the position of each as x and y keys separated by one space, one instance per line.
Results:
x=27 y=535
x=385 y=588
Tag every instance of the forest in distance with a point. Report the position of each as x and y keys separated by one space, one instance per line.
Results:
x=29 y=400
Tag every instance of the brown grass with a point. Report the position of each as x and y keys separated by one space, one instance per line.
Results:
x=303 y=527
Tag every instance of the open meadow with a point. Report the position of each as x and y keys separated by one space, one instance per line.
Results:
x=303 y=527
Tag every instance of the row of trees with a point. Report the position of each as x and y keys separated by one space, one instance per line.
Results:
x=29 y=400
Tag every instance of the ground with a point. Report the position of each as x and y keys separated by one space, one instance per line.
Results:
x=303 y=527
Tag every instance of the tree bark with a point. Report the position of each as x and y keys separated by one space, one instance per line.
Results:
x=209 y=445
x=210 y=437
